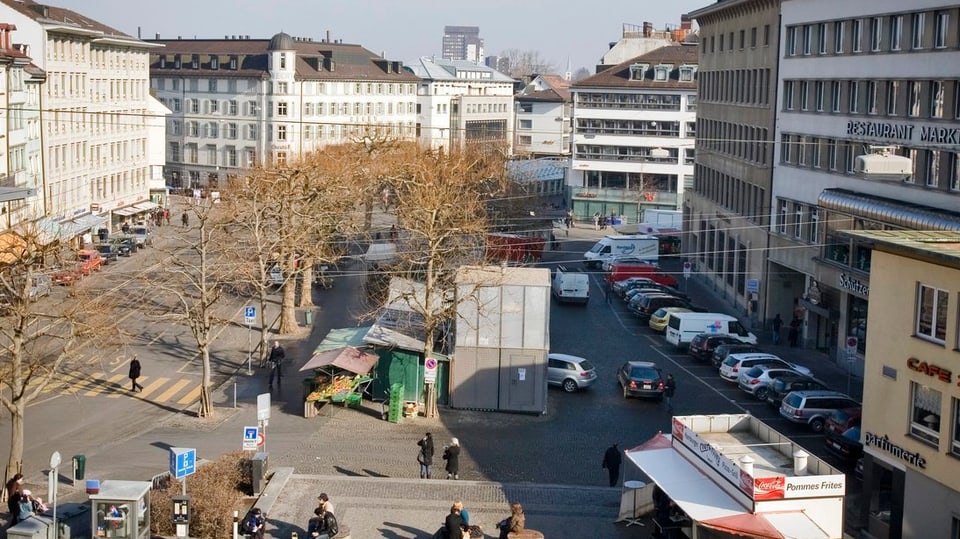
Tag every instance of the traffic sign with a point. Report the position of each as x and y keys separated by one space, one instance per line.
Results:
x=852 y=344
x=261 y=439
x=183 y=462
x=251 y=438
x=687 y=269
x=430 y=370
x=249 y=314
x=263 y=407
x=753 y=285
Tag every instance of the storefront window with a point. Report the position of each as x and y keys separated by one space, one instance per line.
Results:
x=113 y=521
x=857 y=322
x=925 y=413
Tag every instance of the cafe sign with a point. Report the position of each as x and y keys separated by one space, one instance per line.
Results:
x=931 y=370
x=847 y=282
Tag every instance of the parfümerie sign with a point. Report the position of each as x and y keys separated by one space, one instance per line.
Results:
x=897 y=131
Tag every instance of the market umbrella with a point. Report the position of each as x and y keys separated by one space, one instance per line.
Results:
x=347 y=358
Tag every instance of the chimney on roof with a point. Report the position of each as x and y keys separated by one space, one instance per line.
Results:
x=647 y=29
x=157 y=37
x=685 y=22
x=138 y=32
x=328 y=36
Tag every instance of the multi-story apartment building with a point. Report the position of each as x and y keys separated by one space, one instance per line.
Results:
x=544 y=114
x=633 y=134
x=462 y=43
x=21 y=153
x=461 y=102
x=911 y=400
x=239 y=102
x=726 y=214
x=858 y=78
x=94 y=108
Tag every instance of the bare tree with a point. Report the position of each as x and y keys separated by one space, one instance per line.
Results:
x=442 y=201
x=36 y=341
x=523 y=64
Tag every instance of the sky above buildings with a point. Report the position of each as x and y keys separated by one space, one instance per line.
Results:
x=399 y=29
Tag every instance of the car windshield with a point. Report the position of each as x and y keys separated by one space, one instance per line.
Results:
x=660 y=313
x=755 y=372
x=586 y=365
x=643 y=373
x=792 y=399
x=730 y=361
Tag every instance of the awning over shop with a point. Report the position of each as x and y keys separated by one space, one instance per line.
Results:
x=51 y=230
x=146 y=206
x=126 y=211
x=708 y=505
x=86 y=222
x=347 y=358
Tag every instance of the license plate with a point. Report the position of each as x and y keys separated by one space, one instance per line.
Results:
x=647 y=386
x=835 y=445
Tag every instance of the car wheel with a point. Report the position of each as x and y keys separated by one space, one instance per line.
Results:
x=816 y=424
x=570 y=385
x=761 y=394
x=626 y=395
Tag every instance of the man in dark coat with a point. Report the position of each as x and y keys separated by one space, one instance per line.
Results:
x=452 y=455
x=668 y=388
x=134 y=374
x=276 y=358
x=425 y=457
x=611 y=462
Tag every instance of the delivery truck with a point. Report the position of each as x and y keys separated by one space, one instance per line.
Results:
x=643 y=247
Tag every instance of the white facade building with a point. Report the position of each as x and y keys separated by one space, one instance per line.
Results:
x=633 y=134
x=240 y=102
x=461 y=102
x=95 y=107
x=855 y=77
x=544 y=118
x=21 y=153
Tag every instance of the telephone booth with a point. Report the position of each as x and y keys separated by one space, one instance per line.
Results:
x=121 y=509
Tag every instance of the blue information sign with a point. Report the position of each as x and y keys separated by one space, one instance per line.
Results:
x=183 y=461
x=249 y=314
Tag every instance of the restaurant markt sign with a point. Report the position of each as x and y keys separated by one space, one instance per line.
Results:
x=934 y=134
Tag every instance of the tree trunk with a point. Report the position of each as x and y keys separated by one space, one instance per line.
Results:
x=306 y=284
x=368 y=213
x=15 y=461
x=288 y=312
x=264 y=328
x=206 y=400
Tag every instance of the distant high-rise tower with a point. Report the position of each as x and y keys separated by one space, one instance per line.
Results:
x=462 y=43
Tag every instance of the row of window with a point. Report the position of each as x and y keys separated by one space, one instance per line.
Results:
x=663 y=72
x=80 y=121
x=117 y=185
x=740 y=197
x=754 y=37
x=888 y=33
x=73 y=154
x=735 y=140
x=798 y=220
x=723 y=254
x=925 y=417
x=80 y=51
x=740 y=86
x=636 y=154
x=909 y=98
x=306 y=88
x=633 y=101
x=935 y=169
x=212 y=155
x=639 y=128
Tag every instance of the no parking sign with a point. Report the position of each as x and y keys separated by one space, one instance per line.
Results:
x=430 y=371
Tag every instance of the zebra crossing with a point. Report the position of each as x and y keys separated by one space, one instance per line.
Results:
x=183 y=390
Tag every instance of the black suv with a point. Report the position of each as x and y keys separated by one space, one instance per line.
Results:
x=702 y=345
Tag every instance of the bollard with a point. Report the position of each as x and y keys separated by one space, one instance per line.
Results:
x=236 y=524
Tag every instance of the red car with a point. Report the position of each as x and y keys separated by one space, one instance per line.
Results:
x=68 y=275
x=90 y=261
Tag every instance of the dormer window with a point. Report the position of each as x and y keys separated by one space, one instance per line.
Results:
x=214 y=62
x=163 y=61
x=233 y=62
x=176 y=62
x=638 y=71
x=195 y=61
x=687 y=72
x=662 y=72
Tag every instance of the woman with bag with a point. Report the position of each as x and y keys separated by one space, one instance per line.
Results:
x=425 y=456
x=451 y=454
x=514 y=523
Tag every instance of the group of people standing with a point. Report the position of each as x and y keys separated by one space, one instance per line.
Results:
x=451 y=454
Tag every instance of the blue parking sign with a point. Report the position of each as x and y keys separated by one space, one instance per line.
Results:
x=249 y=314
x=183 y=461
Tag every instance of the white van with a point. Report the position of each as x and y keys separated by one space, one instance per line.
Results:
x=570 y=286
x=684 y=326
x=646 y=248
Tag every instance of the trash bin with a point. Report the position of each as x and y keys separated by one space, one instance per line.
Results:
x=79 y=467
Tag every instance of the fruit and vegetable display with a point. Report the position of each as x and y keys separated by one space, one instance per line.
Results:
x=339 y=386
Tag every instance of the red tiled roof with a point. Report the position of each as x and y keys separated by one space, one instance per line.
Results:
x=618 y=76
x=43 y=13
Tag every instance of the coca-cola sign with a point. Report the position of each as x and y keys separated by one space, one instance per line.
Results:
x=769 y=488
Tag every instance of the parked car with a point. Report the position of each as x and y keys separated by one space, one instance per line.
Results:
x=607 y=264
x=141 y=235
x=781 y=386
x=731 y=367
x=637 y=302
x=90 y=261
x=757 y=379
x=814 y=407
x=703 y=345
x=67 y=275
x=842 y=433
x=640 y=290
x=649 y=305
x=108 y=252
x=641 y=379
x=621 y=287
x=721 y=352
x=572 y=373
x=124 y=246
x=658 y=320
x=41 y=286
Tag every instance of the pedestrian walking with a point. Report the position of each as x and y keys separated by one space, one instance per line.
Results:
x=794 y=335
x=425 y=456
x=166 y=215
x=611 y=463
x=451 y=454
x=776 y=325
x=276 y=358
x=134 y=374
x=596 y=221
x=668 y=388
x=185 y=219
